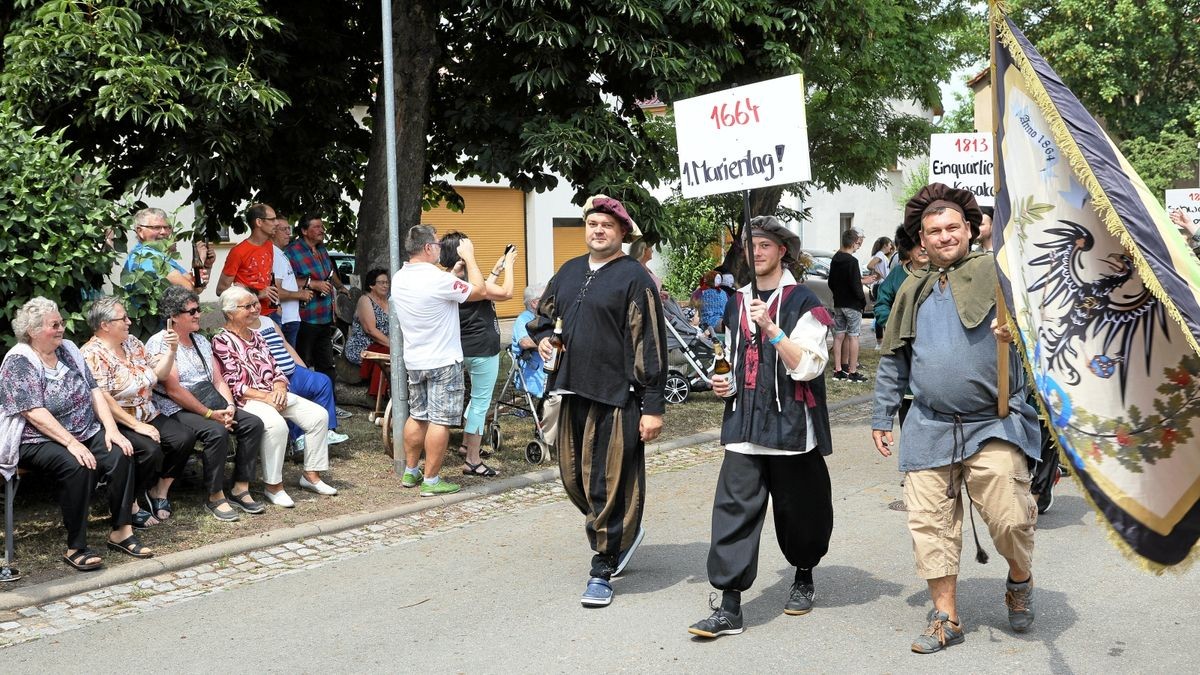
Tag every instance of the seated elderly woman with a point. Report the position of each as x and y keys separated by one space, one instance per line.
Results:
x=125 y=374
x=260 y=388
x=55 y=421
x=195 y=376
x=523 y=346
x=369 y=332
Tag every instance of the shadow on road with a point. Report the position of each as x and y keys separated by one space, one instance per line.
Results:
x=837 y=586
x=1067 y=510
x=658 y=566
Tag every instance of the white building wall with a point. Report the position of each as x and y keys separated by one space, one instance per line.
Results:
x=540 y=211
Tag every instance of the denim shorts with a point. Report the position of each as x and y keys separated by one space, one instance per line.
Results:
x=846 y=320
x=436 y=395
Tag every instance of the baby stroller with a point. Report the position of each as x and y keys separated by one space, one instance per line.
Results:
x=521 y=396
x=696 y=348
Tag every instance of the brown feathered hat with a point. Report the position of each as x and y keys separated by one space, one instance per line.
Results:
x=939 y=195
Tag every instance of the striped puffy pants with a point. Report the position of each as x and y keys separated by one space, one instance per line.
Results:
x=602 y=461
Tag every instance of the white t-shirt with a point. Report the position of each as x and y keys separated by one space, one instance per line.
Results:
x=884 y=264
x=282 y=267
x=426 y=301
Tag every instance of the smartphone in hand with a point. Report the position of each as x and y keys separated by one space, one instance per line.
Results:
x=170 y=324
x=510 y=248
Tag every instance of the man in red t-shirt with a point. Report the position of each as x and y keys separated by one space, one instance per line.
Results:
x=249 y=263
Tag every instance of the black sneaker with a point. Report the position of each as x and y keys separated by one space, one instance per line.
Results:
x=839 y=375
x=857 y=377
x=720 y=623
x=800 y=599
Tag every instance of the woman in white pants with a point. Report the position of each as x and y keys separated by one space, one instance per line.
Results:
x=261 y=389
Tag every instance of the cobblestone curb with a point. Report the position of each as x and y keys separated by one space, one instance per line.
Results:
x=60 y=611
x=133 y=584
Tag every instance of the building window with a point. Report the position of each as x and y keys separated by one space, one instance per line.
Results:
x=568 y=222
x=846 y=222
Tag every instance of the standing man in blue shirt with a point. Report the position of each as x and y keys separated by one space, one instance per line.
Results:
x=941 y=342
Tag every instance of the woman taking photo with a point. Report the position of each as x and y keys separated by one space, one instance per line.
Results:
x=370 y=329
x=260 y=388
x=216 y=426
x=55 y=422
x=124 y=371
x=481 y=346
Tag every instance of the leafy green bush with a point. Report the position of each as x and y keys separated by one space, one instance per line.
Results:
x=56 y=222
x=695 y=226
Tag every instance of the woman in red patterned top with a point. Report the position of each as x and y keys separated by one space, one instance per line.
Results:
x=260 y=388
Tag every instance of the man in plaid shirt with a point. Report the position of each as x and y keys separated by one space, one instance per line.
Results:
x=314 y=270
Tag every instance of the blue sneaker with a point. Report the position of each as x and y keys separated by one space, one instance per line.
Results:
x=627 y=554
x=599 y=593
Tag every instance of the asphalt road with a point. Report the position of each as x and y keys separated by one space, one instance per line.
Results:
x=502 y=596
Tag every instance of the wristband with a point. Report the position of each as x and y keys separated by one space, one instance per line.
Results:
x=208 y=414
x=777 y=339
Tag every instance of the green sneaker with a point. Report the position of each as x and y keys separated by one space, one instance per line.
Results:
x=442 y=487
x=412 y=479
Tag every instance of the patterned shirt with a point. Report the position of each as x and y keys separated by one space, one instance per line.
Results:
x=247 y=364
x=316 y=266
x=194 y=365
x=129 y=380
x=277 y=345
x=65 y=392
x=146 y=257
x=359 y=340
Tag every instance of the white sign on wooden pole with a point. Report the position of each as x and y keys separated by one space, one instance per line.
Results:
x=743 y=138
x=964 y=161
x=1188 y=201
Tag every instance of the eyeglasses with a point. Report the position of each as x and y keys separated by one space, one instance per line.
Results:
x=164 y=228
x=249 y=306
x=119 y=318
x=193 y=311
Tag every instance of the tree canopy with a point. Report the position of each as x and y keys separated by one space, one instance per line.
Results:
x=233 y=101
x=1135 y=66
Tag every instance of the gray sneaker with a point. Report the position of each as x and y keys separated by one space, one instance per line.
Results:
x=1019 y=599
x=941 y=633
x=720 y=622
x=800 y=599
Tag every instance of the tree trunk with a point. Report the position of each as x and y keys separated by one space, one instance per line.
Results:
x=416 y=53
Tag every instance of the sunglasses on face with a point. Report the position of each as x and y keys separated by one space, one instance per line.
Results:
x=192 y=312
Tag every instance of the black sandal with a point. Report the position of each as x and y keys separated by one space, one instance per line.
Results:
x=131 y=546
x=77 y=559
x=482 y=470
x=154 y=505
x=141 y=520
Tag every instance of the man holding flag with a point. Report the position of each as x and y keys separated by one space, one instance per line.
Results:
x=940 y=344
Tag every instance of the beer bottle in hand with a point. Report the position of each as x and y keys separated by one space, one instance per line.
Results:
x=274 y=304
x=722 y=367
x=556 y=341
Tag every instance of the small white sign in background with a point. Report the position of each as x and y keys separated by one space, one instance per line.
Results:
x=743 y=138
x=964 y=161
x=1188 y=201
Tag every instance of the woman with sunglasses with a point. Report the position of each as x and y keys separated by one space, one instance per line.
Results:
x=126 y=374
x=214 y=427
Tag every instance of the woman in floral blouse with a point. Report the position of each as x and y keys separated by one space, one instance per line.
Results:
x=126 y=374
x=260 y=388
x=54 y=420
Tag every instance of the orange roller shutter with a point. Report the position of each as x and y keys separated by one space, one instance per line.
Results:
x=568 y=240
x=492 y=218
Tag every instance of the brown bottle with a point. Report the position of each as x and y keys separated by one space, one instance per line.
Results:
x=556 y=341
x=722 y=367
x=274 y=304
